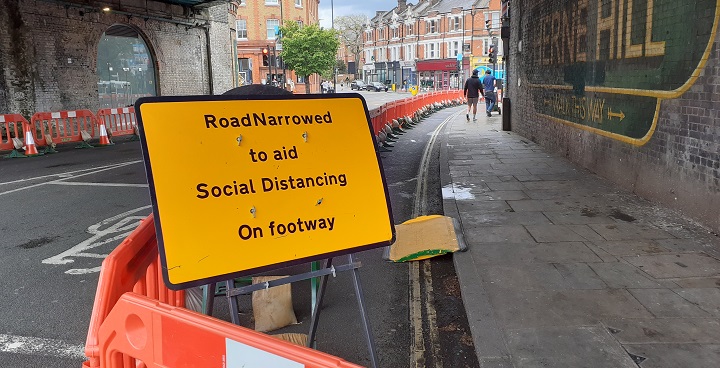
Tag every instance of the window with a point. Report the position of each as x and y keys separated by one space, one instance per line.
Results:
x=410 y=29
x=300 y=79
x=298 y=3
x=395 y=33
x=432 y=26
x=454 y=23
x=272 y=24
x=272 y=2
x=241 y=29
x=453 y=49
x=431 y=51
x=409 y=52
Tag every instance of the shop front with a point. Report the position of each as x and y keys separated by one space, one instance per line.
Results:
x=436 y=75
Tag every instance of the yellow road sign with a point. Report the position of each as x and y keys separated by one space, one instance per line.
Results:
x=242 y=186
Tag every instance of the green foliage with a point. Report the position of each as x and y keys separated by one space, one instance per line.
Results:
x=341 y=67
x=309 y=49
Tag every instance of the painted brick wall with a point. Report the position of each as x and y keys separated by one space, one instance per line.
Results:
x=628 y=89
x=49 y=53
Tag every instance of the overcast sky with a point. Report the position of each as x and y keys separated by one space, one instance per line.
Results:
x=346 y=7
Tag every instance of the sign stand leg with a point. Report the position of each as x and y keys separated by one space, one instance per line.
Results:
x=316 y=307
x=208 y=298
x=232 y=301
x=363 y=313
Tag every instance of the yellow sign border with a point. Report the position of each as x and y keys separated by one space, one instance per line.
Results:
x=265 y=267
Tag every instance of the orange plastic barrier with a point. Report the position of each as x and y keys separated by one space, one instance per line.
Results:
x=63 y=126
x=133 y=266
x=120 y=121
x=393 y=110
x=11 y=126
x=157 y=335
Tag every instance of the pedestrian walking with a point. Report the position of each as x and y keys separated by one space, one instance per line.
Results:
x=489 y=93
x=471 y=91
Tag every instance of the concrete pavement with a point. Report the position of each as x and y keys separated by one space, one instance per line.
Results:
x=564 y=269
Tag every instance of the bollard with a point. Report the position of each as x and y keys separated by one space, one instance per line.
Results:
x=506 y=114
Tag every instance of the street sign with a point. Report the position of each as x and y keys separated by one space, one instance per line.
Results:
x=262 y=182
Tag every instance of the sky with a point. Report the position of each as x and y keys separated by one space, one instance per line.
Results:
x=347 y=7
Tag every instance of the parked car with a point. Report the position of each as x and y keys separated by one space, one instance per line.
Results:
x=358 y=85
x=377 y=87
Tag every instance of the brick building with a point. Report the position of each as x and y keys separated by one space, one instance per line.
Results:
x=629 y=92
x=87 y=54
x=420 y=43
x=255 y=27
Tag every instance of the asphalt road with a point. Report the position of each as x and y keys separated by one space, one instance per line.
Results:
x=61 y=214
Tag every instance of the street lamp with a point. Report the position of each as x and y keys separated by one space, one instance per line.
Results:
x=332 y=25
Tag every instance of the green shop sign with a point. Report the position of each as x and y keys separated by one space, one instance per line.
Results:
x=605 y=65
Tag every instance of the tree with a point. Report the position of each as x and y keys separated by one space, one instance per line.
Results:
x=341 y=67
x=351 y=28
x=309 y=49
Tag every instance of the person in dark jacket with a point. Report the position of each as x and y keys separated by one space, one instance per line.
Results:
x=472 y=92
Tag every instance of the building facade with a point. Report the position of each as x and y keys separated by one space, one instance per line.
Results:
x=433 y=44
x=256 y=26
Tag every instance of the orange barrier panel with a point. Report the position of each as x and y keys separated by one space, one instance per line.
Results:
x=133 y=266
x=63 y=126
x=120 y=121
x=159 y=335
x=11 y=126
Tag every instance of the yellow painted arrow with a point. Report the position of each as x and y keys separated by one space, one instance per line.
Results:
x=612 y=114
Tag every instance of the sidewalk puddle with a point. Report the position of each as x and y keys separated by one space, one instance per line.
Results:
x=457 y=192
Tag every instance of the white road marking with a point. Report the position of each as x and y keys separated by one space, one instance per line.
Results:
x=66 y=174
x=75 y=176
x=79 y=183
x=39 y=346
x=124 y=224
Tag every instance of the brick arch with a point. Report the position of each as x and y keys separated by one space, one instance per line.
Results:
x=126 y=66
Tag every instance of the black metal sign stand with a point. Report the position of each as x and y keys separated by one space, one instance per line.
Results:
x=325 y=271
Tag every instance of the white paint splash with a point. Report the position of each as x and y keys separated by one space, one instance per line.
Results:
x=459 y=193
x=39 y=346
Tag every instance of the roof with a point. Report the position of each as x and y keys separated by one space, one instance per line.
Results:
x=445 y=6
x=195 y=3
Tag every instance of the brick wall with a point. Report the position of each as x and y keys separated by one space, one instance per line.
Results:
x=49 y=58
x=629 y=92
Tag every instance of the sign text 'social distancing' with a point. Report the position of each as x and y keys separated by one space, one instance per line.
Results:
x=242 y=186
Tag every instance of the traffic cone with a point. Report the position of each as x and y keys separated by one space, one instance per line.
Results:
x=30 y=149
x=104 y=140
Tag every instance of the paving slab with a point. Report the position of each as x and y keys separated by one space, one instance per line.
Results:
x=665 y=330
x=676 y=355
x=553 y=233
x=665 y=303
x=497 y=234
x=580 y=276
x=663 y=266
x=540 y=205
x=583 y=217
x=502 y=195
x=631 y=247
x=620 y=275
x=526 y=252
x=584 y=346
x=564 y=307
x=620 y=231
x=705 y=298
x=505 y=218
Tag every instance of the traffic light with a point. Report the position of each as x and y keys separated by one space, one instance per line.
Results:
x=491 y=54
x=265 y=57
x=487 y=24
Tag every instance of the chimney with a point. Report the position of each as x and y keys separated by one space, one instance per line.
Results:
x=402 y=5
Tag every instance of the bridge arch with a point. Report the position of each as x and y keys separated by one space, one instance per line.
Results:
x=126 y=66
